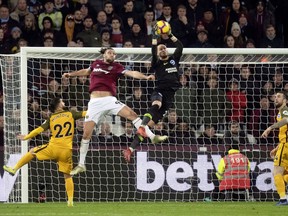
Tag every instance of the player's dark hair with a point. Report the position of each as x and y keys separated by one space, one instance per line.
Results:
x=285 y=94
x=54 y=102
x=104 y=49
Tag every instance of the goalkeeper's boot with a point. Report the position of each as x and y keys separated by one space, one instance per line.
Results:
x=10 y=170
x=70 y=203
x=127 y=153
x=282 y=202
x=141 y=131
x=158 y=139
x=78 y=169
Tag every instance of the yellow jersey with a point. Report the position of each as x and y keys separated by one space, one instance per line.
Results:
x=283 y=113
x=61 y=125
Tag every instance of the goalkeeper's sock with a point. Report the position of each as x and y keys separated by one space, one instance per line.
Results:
x=24 y=160
x=69 y=185
x=136 y=141
x=83 y=151
x=280 y=185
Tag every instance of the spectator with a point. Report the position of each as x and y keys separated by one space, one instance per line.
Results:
x=249 y=86
x=148 y=22
x=50 y=11
x=236 y=33
x=78 y=19
x=48 y=42
x=106 y=137
x=278 y=80
x=160 y=129
x=166 y=14
x=208 y=137
x=102 y=22
x=229 y=41
x=158 y=8
x=29 y=31
x=261 y=119
x=171 y=120
x=138 y=101
x=117 y=34
x=6 y=22
x=106 y=38
x=61 y=5
x=12 y=40
x=128 y=135
x=69 y=26
x=20 y=12
x=202 y=40
x=194 y=12
x=238 y=101
x=213 y=104
x=247 y=31
x=3 y=45
x=79 y=92
x=260 y=18
x=181 y=26
x=137 y=37
x=271 y=40
x=231 y=15
x=183 y=134
x=35 y=7
x=214 y=29
x=186 y=101
x=235 y=135
x=90 y=37
x=110 y=13
x=233 y=174
x=128 y=13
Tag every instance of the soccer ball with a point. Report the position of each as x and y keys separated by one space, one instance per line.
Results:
x=163 y=27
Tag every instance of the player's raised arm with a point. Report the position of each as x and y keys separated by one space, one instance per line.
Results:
x=35 y=132
x=138 y=75
x=82 y=72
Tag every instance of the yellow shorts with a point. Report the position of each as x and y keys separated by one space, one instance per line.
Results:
x=62 y=156
x=281 y=157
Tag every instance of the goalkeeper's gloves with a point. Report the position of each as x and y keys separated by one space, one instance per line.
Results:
x=155 y=35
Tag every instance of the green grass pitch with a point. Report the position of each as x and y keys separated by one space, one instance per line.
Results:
x=145 y=208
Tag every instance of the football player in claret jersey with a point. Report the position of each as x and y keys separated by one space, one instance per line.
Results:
x=104 y=74
x=61 y=125
x=280 y=153
x=167 y=75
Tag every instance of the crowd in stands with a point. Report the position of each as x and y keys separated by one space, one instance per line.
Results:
x=197 y=23
x=233 y=100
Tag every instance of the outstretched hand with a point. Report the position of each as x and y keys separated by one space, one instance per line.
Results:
x=266 y=132
x=151 y=77
x=21 y=137
x=66 y=75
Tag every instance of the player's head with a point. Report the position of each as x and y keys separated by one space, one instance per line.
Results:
x=108 y=54
x=162 y=52
x=56 y=103
x=281 y=99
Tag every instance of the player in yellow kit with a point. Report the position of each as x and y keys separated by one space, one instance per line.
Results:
x=280 y=153
x=61 y=125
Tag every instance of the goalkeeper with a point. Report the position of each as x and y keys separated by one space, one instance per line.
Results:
x=61 y=125
x=167 y=83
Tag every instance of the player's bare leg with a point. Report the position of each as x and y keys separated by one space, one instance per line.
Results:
x=88 y=130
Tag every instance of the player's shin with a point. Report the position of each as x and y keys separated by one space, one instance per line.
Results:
x=136 y=141
x=69 y=185
x=280 y=185
x=83 y=151
x=24 y=160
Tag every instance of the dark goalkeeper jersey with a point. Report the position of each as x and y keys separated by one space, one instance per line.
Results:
x=167 y=72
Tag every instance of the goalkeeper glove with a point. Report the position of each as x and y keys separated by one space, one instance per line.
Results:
x=155 y=34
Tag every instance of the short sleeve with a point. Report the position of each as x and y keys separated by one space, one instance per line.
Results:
x=284 y=113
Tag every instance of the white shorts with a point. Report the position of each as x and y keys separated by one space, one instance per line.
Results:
x=98 y=108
